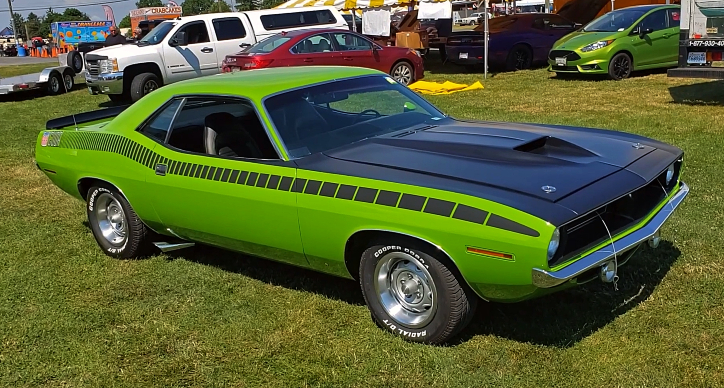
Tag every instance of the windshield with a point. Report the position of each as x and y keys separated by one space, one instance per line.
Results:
x=615 y=21
x=322 y=117
x=268 y=45
x=156 y=35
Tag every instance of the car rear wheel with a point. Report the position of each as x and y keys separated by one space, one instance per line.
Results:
x=413 y=294
x=403 y=73
x=116 y=227
x=520 y=57
x=620 y=67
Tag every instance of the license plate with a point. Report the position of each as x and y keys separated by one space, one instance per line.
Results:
x=698 y=58
x=463 y=55
x=561 y=61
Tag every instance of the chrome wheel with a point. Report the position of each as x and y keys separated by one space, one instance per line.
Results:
x=149 y=86
x=402 y=74
x=68 y=80
x=54 y=84
x=405 y=289
x=111 y=219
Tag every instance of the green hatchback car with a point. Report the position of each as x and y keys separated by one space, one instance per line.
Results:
x=619 y=42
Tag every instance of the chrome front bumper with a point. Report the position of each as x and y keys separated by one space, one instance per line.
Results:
x=110 y=83
x=548 y=279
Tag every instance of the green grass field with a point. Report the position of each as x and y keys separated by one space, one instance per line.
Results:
x=72 y=317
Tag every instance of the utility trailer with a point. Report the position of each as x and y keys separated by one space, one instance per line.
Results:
x=701 y=40
x=55 y=80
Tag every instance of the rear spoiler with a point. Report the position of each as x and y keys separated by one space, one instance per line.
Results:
x=85 y=117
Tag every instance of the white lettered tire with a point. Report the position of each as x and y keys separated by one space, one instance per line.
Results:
x=116 y=227
x=413 y=294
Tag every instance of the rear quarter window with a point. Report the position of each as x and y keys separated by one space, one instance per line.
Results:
x=297 y=19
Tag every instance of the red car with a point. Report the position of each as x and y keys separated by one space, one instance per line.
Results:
x=328 y=47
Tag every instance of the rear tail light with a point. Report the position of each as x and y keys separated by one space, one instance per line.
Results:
x=257 y=63
x=713 y=56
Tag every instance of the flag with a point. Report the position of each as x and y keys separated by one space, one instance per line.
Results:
x=109 y=14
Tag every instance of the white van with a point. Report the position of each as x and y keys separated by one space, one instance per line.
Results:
x=192 y=46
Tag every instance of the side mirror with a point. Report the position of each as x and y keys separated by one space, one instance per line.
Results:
x=645 y=31
x=179 y=39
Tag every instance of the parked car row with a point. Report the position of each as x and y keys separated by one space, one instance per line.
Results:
x=615 y=44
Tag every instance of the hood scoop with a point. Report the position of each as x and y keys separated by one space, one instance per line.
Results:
x=554 y=147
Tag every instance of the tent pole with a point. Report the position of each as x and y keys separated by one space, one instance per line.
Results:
x=485 y=14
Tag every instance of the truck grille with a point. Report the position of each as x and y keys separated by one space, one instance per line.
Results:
x=592 y=229
x=92 y=63
x=570 y=55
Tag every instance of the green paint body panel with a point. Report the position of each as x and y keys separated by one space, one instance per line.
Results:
x=658 y=49
x=238 y=204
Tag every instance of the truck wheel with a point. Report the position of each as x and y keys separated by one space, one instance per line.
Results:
x=116 y=227
x=143 y=84
x=75 y=61
x=413 y=294
x=55 y=84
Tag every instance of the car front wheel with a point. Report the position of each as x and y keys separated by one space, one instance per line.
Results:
x=620 y=67
x=403 y=73
x=116 y=227
x=413 y=294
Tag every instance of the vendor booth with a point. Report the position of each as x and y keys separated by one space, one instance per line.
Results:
x=70 y=34
x=153 y=14
x=424 y=24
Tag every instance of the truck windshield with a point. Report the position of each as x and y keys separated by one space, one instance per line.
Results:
x=156 y=35
x=615 y=21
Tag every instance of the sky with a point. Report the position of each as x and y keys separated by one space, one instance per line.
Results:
x=120 y=8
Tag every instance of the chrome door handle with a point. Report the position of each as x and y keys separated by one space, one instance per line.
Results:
x=207 y=50
x=308 y=60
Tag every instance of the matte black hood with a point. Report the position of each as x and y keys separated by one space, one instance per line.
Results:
x=518 y=157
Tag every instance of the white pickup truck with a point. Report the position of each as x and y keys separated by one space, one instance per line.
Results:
x=192 y=46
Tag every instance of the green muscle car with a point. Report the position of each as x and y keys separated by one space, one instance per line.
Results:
x=345 y=171
x=619 y=42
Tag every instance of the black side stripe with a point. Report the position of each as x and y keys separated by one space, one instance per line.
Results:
x=130 y=149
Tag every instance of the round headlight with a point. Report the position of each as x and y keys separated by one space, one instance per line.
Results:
x=553 y=245
x=669 y=174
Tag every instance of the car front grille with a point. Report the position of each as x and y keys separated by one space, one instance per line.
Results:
x=93 y=67
x=615 y=217
x=569 y=55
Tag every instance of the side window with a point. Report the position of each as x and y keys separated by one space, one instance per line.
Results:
x=196 y=32
x=656 y=21
x=674 y=17
x=229 y=28
x=551 y=22
x=220 y=127
x=158 y=127
x=349 y=42
x=296 y=19
x=314 y=44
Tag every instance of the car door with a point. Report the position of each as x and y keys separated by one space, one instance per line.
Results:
x=231 y=36
x=354 y=50
x=218 y=178
x=195 y=58
x=314 y=50
x=671 y=46
x=650 y=47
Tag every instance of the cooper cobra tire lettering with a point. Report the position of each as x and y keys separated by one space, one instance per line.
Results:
x=455 y=302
